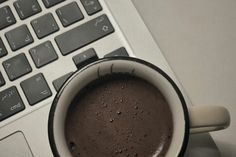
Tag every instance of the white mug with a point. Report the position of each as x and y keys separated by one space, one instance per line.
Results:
x=186 y=119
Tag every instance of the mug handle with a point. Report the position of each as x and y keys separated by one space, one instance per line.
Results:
x=208 y=118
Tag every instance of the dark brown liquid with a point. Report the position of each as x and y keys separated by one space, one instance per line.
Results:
x=119 y=116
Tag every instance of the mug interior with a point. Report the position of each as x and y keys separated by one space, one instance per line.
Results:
x=135 y=67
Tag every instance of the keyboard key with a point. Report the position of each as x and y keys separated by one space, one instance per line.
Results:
x=118 y=52
x=27 y=8
x=43 y=54
x=91 y=6
x=85 y=58
x=3 y=50
x=19 y=37
x=1 y=1
x=10 y=103
x=84 y=34
x=6 y=17
x=17 y=66
x=44 y=25
x=36 y=89
x=50 y=3
x=69 y=14
x=60 y=81
x=2 y=81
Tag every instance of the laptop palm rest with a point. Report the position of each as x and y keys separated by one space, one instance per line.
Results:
x=15 y=145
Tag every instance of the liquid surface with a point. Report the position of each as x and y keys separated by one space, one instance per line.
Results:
x=119 y=116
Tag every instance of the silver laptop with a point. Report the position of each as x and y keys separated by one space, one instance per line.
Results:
x=42 y=42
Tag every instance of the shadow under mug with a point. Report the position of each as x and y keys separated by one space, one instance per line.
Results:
x=186 y=120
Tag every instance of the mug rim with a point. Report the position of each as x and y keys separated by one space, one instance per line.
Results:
x=150 y=65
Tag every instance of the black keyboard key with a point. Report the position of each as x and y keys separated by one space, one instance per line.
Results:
x=2 y=81
x=91 y=6
x=6 y=17
x=118 y=52
x=27 y=8
x=36 y=89
x=17 y=66
x=1 y=1
x=69 y=14
x=43 y=54
x=85 y=58
x=10 y=103
x=60 y=81
x=84 y=34
x=50 y=3
x=19 y=37
x=44 y=25
x=3 y=50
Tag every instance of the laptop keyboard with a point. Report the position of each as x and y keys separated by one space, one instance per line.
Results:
x=37 y=20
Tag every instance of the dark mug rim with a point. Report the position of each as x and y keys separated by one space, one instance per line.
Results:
x=157 y=69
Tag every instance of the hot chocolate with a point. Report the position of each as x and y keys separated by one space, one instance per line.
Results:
x=119 y=116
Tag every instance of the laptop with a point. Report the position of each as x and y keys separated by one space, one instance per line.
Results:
x=42 y=42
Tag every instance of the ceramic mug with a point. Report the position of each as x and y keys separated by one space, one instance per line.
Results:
x=186 y=119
